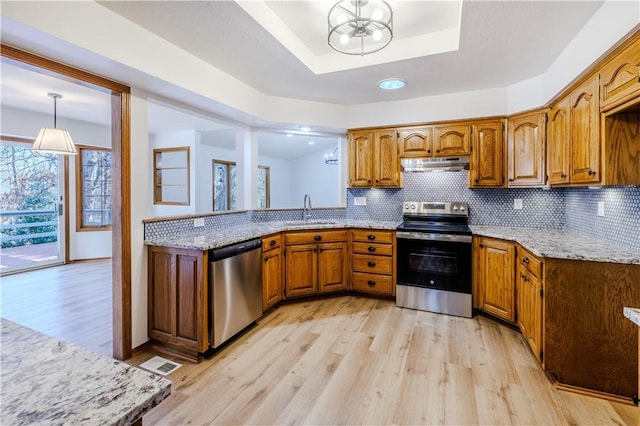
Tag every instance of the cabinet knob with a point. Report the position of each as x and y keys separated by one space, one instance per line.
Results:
x=563 y=176
x=481 y=246
x=525 y=260
x=428 y=151
x=371 y=283
x=272 y=242
x=371 y=249
x=437 y=151
x=368 y=180
x=377 y=181
x=476 y=180
x=591 y=173
x=371 y=237
x=371 y=264
x=317 y=237
x=510 y=180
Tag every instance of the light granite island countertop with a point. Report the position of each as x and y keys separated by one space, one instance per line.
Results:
x=633 y=314
x=47 y=381
x=561 y=244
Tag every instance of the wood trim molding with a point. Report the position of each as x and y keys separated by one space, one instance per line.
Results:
x=121 y=197
x=79 y=192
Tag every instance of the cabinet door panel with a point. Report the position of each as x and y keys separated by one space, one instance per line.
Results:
x=415 y=142
x=497 y=271
x=301 y=270
x=526 y=149
x=386 y=163
x=585 y=140
x=558 y=133
x=360 y=159
x=187 y=298
x=451 y=140
x=620 y=78
x=161 y=283
x=372 y=283
x=487 y=160
x=271 y=278
x=333 y=263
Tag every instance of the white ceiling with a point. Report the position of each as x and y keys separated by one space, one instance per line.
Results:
x=501 y=43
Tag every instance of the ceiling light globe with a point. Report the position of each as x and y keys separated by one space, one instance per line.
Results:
x=344 y=38
x=377 y=35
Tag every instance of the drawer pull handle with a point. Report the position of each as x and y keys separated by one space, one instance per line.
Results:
x=371 y=264
x=272 y=242
x=525 y=260
x=371 y=249
x=371 y=283
x=317 y=237
x=371 y=237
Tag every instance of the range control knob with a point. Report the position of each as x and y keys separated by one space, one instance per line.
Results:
x=455 y=207
x=413 y=206
x=462 y=208
x=406 y=206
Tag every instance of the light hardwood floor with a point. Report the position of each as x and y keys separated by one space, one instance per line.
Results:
x=354 y=360
x=70 y=302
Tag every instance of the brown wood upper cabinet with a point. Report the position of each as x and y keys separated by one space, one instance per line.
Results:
x=487 y=155
x=415 y=142
x=620 y=77
x=373 y=159
x=558 y=135
x=526 y=149
x=451 y=140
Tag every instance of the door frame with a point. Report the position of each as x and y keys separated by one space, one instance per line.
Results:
x=121 y=184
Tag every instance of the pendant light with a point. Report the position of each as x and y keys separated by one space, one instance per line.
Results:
x=54 y=140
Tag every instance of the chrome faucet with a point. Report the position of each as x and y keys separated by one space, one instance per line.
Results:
x=306 y=210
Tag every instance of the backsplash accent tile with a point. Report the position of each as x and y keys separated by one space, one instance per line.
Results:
x=185 y=225
x=542 y=208
x=296 y=214
x=621 y=220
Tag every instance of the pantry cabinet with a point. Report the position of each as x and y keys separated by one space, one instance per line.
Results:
x=373 y=159
x=273 y=261
x=316 y=262
x=526 y=149
x=495 y=277
x=487 y=155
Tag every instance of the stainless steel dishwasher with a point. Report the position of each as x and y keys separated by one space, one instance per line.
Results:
x=235 y=289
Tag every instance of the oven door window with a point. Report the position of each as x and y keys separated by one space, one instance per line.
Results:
x=435 y=264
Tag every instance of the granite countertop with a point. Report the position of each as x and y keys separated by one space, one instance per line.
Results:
x=633 y=314
x=47 y=381
x=561 y=244
x=214 y=238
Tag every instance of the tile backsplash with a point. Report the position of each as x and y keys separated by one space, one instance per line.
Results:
x=621 y=221
x=541 y=208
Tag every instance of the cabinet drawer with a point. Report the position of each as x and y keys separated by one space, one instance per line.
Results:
x=315 y=237
x=372 y=264
x=371 y=236
x=372 y=283
x=530 y=262
x=372 y=248
x=271 y=242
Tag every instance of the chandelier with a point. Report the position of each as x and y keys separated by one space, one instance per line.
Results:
x=360 y=27
x=332 y=158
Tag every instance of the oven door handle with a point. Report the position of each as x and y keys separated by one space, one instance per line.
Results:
x=434 y=237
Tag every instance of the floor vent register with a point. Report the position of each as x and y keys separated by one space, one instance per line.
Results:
x=160 y=365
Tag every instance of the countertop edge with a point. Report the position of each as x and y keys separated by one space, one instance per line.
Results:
x=633 y=314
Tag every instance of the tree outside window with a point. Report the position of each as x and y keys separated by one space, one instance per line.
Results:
x=93 y=189
x=224 y=186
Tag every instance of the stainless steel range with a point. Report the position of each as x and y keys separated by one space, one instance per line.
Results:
x=434 y=258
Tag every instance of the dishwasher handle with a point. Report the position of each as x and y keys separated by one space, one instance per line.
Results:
x=235 y=249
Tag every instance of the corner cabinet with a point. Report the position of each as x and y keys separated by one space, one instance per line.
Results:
x=529 y=296
x=526 y=149
x=315 y=262
x=494 y=285
x=177 y=296
x=373 y=159
x=487 y=155
x=273 y=261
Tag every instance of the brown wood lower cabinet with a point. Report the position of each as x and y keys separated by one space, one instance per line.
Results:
x=177 y=292
x=273 y=260
x=529 y=294
x=588 y=342
x=315 y=262
x=494 y=284
x=373 y=261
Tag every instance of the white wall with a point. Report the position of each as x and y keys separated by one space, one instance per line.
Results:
x=312 y=178
x=83 y=244
x=175 y=140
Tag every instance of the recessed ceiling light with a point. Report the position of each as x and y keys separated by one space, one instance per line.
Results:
x=391 y=84
x=289 y=135
x=305 y=128
x=311 y=142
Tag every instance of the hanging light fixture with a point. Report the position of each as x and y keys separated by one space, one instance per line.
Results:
x=54 y=140
x=360 y=27
x=332 y=158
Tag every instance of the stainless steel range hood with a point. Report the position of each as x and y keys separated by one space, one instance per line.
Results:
x=454 y=164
